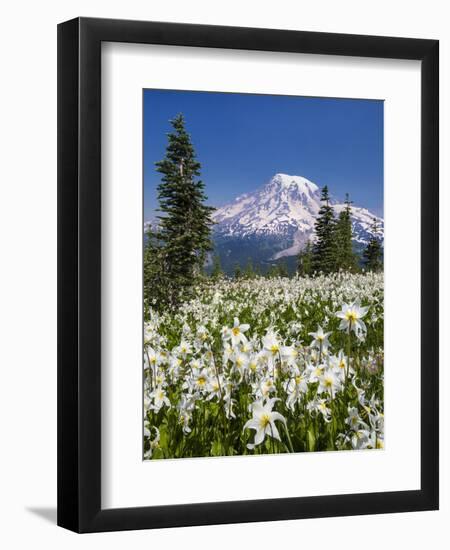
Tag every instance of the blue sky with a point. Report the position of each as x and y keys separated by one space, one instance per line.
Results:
x=242 y=140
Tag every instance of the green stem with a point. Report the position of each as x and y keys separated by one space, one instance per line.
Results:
x=349 y=353
x=291 y=447
x=221 y=404
x=149 y=368
x=271 y=439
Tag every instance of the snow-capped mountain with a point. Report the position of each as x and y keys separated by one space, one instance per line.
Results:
x=283 y=212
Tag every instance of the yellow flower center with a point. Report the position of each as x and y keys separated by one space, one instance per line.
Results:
x=328 y=382
x=235 y=331
x=274 y=348
x=351 y=316
x=201 y=381
x=265 y=420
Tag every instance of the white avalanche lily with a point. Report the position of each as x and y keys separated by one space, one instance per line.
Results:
x=236 y=333
x=339 y=365
x=201 y=380
x=320 y=339
x=329 y=382
x=185 y=348
x=289 y=355
x=295 y=388
x=152 y=356
x=351 y=318
x=159 y=399
x=271 y=343
x=263 y=421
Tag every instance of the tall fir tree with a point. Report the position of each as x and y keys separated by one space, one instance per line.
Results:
x=249 y=272
x=345 y=257
x=216 y=271
x=283 y=270
x=185 y=223
x=324 y=249
x=372 y=255
x=304 y=260
x=273 y=271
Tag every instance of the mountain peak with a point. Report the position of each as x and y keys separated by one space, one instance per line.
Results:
x=288 y=181
x=285 y=208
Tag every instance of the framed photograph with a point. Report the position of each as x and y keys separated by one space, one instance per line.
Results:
x=247 y=276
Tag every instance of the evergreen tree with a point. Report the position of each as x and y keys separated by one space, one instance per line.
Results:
x=237 y=271
x=304 y=260
x=345 y=257
x=185 y=223
x=249 y=272
x=278 y=270
x=153 y=259
x=324 y=249
x=272 y=272
x=283 y=269
x=216 y=272
x=372 y=254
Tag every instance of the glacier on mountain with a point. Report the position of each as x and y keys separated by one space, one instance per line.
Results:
x=286 y=207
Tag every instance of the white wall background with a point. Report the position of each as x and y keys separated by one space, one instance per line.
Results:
x=28 y=268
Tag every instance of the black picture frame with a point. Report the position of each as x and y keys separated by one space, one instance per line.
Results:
x=79 y=274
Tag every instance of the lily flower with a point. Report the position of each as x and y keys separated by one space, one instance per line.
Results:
x=271 y=343
x=339 y=365
x=159 y=399
x=185 y=348
x=289 y=355
x=236 y=333
x=263 y=421
x=329 y=382
x=351 y=316
x=201 y=380
x=320 y=339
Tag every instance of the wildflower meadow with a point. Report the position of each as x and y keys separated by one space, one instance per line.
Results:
x=264 y=366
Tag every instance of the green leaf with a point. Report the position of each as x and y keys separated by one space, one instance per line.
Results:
x=163 y=439
x=311 y=440
x=216 y=449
